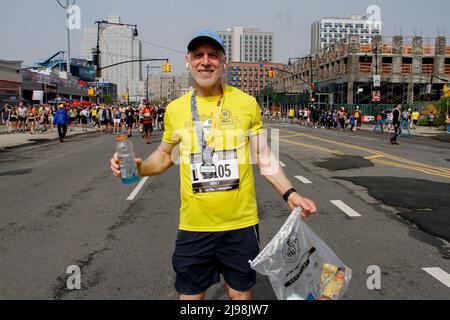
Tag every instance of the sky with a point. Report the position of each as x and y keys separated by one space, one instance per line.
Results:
x=32 y=30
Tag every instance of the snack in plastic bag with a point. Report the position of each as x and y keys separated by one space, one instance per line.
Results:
x=300 y=266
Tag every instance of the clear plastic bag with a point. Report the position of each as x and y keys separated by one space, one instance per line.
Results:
x=300 y=266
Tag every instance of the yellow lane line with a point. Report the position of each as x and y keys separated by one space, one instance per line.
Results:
x=374 y=157
x=418 y=169
x=310 y=146
x=290 y=136
x=445 y=170
x=376 y=153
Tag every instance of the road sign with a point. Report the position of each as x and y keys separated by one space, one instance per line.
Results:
x=376 y=96
x=377 y=81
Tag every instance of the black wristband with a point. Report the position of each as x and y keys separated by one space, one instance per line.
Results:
x=288 y=193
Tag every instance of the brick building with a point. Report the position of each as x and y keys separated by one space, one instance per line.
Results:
x=249 y=77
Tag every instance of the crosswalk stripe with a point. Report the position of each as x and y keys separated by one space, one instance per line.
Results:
x=439 y=274
x=345 y=208
x=303 y=179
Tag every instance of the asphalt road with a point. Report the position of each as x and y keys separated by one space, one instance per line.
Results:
x=60 y=206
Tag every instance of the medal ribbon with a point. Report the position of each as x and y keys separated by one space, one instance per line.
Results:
x=206 y=144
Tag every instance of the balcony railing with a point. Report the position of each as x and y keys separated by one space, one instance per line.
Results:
x=407 y=49
x=407 y=68
x=365 y=48
x=447 y=69
x=387 y=48
x=429 y=50
x=365 y=67
x=427 y=68
x=386 y=68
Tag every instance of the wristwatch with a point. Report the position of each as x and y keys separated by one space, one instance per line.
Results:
x=288 y=193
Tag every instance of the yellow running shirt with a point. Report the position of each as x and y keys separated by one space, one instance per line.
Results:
x=226 y=200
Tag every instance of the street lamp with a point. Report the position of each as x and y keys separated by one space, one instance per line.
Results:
x=66 y=7
x=96 y=53
x=97 y=59
x=146 y=90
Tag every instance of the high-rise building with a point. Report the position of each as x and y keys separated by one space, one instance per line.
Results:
x=327 y=31
x=247 y=45
x=117 y=44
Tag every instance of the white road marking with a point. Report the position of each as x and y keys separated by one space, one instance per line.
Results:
x=282 y=164
x=303 y=179
x=345 y=208
x=439 y=274
x=137 y=189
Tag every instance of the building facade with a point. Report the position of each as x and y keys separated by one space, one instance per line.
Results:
x=249 y=77
x=163 y=87
x=117 y=44
x=247 y=45
x=328 y=31
x=412 y=71
x=10 y=82
x=52 y=86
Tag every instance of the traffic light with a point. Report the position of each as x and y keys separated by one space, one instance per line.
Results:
x=91 y=92
x=167 y=68
x=271 y=74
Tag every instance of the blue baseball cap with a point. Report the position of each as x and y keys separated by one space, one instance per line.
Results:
x=206 y=35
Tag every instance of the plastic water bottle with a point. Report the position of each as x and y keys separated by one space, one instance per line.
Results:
x=128 y=168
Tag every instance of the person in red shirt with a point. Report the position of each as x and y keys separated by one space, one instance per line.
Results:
x=147 y=113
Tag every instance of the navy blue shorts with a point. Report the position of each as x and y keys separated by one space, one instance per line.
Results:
x=201 y=257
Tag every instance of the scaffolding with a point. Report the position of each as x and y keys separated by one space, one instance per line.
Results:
x=346 y=69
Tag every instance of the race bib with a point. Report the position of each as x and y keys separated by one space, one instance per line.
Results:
x=221 y=175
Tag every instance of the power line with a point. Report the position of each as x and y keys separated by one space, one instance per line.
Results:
x=150 y=43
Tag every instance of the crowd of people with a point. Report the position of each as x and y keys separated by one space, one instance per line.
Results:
x=342 y=119
x=317 y=118
x=112 y=119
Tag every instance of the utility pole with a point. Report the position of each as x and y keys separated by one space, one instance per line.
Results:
x=160 y=89
x=146 y=87
x=66 y=7
x=173 y=89
x=97 y=52
x=377 y=77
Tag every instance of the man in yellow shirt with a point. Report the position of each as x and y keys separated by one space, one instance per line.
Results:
x=216 y=127
x=415 y=116
x=291 y=114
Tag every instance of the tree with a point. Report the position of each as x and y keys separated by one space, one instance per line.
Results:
x=107 y=99
x=442 y=111
x=275 y=98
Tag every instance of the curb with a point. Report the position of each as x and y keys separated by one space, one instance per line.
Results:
x=46 y=140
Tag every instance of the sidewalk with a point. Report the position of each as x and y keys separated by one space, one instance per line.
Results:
x=8 y=140
x=420 y=131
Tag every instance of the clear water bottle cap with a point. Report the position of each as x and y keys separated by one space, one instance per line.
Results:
x=122 y=138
